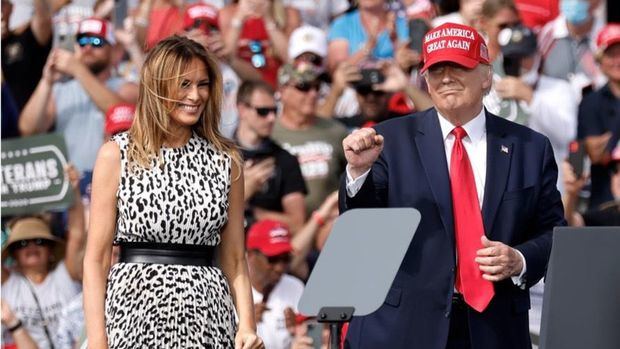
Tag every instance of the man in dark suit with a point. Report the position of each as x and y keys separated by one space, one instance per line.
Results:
x=486 y=188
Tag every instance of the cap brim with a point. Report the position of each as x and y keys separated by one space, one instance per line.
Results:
x=466 y=62
x=609 y=44
x=277 y=249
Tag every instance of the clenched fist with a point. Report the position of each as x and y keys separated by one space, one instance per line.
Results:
x=362 y=148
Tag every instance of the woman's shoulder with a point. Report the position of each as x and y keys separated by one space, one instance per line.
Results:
x=121 y=138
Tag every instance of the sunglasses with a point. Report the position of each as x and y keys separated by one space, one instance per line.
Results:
x=311 y=58
x=307 y=86
x=93 y=41
x=507 y=25
x=258 y=58
x=365 y=91
x=282 y=258
x=18 y=245
x=263 y=111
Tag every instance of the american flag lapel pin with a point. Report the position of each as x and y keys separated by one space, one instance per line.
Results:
x=504 y=149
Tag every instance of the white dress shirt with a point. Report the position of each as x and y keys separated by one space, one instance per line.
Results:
x=475 y=144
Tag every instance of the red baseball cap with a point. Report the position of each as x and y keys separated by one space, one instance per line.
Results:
x=97 y=27
x=270 y=237
x=205 y=15
x=457 y=43
x=609 y=35
x=119 y=118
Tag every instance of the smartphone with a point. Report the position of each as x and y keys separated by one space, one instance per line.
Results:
x=315 y=331
x=512 y=66
x=371 y=76
x=120 y=13
x=417 y=30
x=64 y=40
x=576 y=157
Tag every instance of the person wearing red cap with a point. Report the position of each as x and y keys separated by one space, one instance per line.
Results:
x=200 y=23
x=486 y=189
x=275 y=293
x=599 y=115
x=76 y=90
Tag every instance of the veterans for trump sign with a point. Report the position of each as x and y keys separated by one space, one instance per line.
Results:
x=33 y=177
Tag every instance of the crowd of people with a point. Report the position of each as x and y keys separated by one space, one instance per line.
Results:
x=289 y=80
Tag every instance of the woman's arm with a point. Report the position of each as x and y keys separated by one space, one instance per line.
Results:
x=76 y=229
x=234 y=264
x=20 y=335
x=99 y=246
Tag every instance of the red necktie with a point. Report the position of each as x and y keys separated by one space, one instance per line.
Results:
x=468 y=228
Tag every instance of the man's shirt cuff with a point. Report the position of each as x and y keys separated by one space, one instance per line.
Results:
x=520 y=279
x=354 y=185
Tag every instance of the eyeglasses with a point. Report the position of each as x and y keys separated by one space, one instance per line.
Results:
x=263 y=111
x=18 y=245
x=258 y=58
x=281 y=258
x=93 y=41
x=307 y=86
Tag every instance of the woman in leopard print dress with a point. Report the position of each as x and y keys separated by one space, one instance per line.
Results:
x=172 y=183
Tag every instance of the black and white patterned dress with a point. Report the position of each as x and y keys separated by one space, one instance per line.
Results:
x=184 y=201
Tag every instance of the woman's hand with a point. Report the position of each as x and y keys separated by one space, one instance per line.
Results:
x=8 y=317
x=247 y=339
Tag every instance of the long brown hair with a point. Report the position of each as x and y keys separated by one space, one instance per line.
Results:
x=161 y=75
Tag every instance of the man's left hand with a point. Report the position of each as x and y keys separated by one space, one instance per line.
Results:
x=498 y=261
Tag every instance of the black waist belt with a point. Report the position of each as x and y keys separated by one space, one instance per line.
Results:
x=159 y=253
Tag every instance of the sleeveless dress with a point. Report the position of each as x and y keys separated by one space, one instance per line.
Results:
x=185 y=201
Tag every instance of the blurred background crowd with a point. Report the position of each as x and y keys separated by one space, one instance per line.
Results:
x=298 y=75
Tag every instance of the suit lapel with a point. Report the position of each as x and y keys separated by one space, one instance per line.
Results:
x=429 y=142
x=499 y=153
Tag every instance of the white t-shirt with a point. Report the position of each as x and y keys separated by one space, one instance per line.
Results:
x=272 y=327
x=53 y=294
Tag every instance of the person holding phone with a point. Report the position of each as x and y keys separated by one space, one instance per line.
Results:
x=274 y=186
x=371 y=32
x=605 y=214
x=599 y=115
x=76 y=106
x=25 y=50
x=257 y=31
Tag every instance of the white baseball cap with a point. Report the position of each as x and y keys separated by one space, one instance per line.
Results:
x=307 y=39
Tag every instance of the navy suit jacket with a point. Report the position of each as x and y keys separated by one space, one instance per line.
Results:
x=521 y=206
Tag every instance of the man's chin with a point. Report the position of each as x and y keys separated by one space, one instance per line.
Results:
x=97 y=67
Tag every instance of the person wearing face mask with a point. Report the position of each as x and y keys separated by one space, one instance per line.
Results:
x=545 y=104
x=567 y=43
